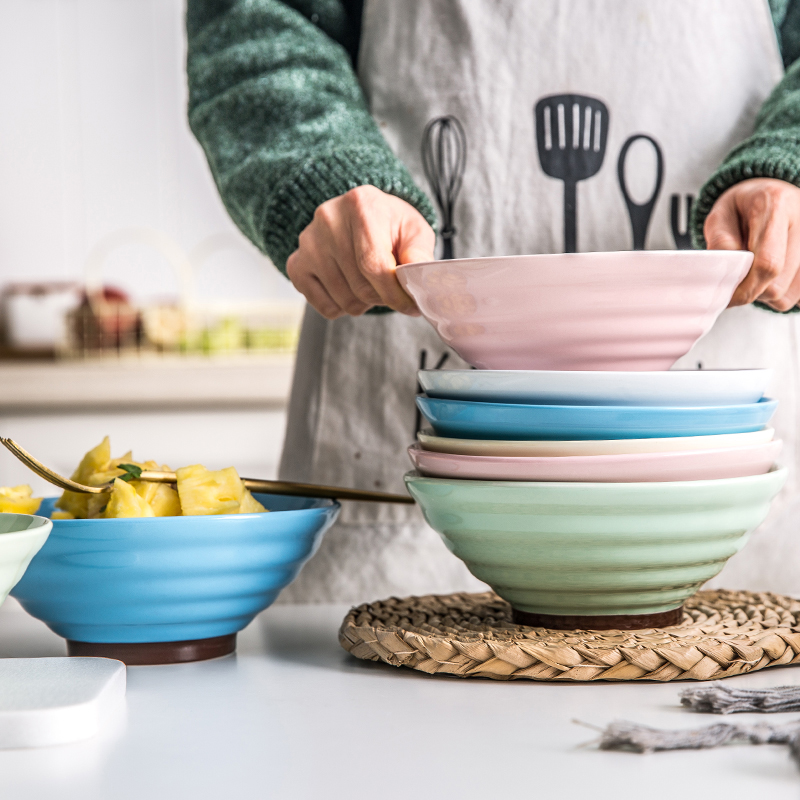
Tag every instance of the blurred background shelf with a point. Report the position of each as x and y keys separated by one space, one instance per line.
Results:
x=131 y=384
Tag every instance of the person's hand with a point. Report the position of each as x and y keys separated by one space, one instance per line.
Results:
x=762 y=215
x=348 y=254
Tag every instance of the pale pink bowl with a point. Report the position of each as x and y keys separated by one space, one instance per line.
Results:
x=698 y=465
x=639 y=310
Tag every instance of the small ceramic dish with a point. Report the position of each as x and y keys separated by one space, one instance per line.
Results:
x=21 y=538
x=637 y=310
x=464 y=419
x=694 y=465
x=723 y=387
x=590 y=447
x=168 y=589
x=595 y=555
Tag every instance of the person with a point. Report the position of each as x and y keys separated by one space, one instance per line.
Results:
x=326 y=123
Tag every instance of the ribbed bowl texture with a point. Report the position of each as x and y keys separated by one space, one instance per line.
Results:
x=170 y=579
x=21 y=538
x=595 y=548
x=576 y=311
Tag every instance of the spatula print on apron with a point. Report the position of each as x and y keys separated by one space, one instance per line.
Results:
x=571 y=135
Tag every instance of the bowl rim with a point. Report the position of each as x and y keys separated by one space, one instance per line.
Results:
x=44 y=522
x=611 y=374
x=326 y=504
x=764 y=402
x=774 y=473
x=658 y=455
x=620 y=254
x=429 y=433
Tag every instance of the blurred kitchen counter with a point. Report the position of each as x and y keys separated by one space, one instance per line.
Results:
x=146 y=383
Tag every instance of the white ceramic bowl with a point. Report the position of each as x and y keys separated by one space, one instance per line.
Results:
x=591 y=447
x=721 y=387
x=639 y=310
x=21 y=538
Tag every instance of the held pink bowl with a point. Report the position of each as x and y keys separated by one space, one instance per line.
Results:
x=639 y=310
x=698 y=465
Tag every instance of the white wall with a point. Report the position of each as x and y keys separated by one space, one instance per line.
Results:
x=94 y=138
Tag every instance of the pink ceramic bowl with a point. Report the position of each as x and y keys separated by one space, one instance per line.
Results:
x=698 y=465
x=579 y=311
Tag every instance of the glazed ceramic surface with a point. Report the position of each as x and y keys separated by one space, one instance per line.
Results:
x=694 y=465
x=21 y=538
x=595 y=548
x=576 y=311
x=169 y=579
x=464 y=419
x=590 y=447
x=671 y=388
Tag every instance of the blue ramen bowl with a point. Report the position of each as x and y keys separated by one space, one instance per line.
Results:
x=161 y=590
x=467 y=419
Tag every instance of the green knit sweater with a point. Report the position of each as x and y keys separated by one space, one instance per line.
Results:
x=275 y=102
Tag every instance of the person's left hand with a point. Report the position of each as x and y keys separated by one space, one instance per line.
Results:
x=762 y=215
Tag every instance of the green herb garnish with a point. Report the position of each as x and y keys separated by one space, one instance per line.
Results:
x=132 y=472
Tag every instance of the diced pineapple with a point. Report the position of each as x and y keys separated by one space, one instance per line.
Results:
x=163 y=499
x=249 y=504
x=125 y=502
x=61 y=515
x=204 y=492
x=96 y=460
x=18 y=500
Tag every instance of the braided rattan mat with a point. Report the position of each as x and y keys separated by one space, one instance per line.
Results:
x=723 y=633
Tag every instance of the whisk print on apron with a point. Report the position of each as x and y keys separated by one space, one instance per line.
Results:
x=684 y=79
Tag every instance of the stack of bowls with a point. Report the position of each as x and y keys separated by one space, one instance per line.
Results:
x=595 y=499
x=586 y=483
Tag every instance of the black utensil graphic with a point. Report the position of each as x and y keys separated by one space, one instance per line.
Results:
x=683 y=241
x=640 y=213
x=571 y=133
x=444 y=155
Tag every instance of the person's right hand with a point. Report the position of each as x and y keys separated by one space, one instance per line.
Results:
x=348 y=254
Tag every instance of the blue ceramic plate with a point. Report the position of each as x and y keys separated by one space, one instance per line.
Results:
x=463 y=419
x=169 y=579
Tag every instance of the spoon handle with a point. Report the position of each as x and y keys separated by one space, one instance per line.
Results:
x=298 y=489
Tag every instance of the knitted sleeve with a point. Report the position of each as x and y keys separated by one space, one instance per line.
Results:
x=276 y=105
x=773 y=151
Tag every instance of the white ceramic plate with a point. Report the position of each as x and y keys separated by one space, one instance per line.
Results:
x=592 y=447
x=546 y=387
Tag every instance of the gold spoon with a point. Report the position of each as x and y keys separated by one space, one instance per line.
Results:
x=258 y=486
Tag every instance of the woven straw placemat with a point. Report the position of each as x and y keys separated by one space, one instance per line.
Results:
x=723 y=633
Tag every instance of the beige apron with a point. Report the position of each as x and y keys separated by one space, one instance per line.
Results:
x=655 y=94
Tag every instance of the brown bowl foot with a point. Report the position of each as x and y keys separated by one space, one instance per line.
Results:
x=619 y=622
x=138 y=654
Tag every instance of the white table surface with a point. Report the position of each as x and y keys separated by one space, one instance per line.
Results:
x=293 y=716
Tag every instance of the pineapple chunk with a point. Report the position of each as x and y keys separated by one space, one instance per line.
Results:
x=204 y=492
x=163 y=499
x=125 y=502
x=18 y=500
x=96 y=460
x=61 y=515
x=249 y=504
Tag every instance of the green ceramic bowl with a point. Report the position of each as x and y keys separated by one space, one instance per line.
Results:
x=595 y=549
